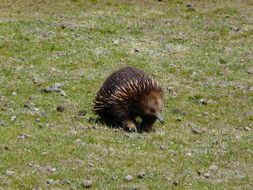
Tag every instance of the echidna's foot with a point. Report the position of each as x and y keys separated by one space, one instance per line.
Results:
x=129 y=126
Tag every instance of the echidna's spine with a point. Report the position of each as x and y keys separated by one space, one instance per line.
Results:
x=121 y=86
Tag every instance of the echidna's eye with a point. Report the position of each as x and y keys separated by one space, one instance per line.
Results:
x=152 y=110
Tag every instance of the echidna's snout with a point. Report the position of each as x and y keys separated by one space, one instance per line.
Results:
x=159 y=117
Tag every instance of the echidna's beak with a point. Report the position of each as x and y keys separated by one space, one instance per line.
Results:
x=160 y=118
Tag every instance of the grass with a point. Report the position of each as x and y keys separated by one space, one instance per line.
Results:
x=201 y=55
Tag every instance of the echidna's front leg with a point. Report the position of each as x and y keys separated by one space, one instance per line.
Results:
x=147 y=123
x=129 y=125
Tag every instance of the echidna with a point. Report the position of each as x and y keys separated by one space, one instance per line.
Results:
x=127 y=94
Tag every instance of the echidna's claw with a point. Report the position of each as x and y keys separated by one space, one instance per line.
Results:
x=129 y=126
x=132 y=129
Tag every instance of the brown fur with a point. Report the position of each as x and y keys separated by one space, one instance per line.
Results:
x=127 y=94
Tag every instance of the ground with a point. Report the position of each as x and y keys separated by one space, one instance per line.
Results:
x=199 y=51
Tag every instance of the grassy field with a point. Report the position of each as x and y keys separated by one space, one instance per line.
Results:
x=201 y=52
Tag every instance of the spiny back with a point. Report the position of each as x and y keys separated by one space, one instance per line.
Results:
x=122 y=86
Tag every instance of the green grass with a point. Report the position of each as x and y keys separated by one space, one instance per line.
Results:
x=195 y=55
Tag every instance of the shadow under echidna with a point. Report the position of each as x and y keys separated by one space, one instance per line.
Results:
x=127 y=94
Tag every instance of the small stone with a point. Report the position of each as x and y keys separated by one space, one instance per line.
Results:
x=36 y=187
x=177 y=111
x=175 y=183
x=35 y=80
x=60 y=109
x=78 y=140
x=44 y=153
x=115 y=42
x=56 y=85
x=42 y=113
x=202 y=101
x=13 y=118
x=49 y=181
x=215 y=141
x=250 y=71
x=63 y=93
x=129 y=178
x=235 y=28
x=30 y=107
x=205 y=113
x=212 y=102
x=141 y=175
x=2 y=124
x=237 y=137
x=54 y=88
x=52 y=170
x=197 y=131
x=188 y=154
x=238 y=128
x=207 y=175
x=9 y=172
x=14 y=93
x=74 y=117
x=30 y=165
x=246 y=128
x=87 y=184
x=73 y=133
x=190 y=7
x=82 y=113
x=31 y=97
x=136 y=50
x=23 y=136
x=131 y=136
x=65 y=181
x=63 y=26
x=213 y=168
x=162 y=147
x=173 y=152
